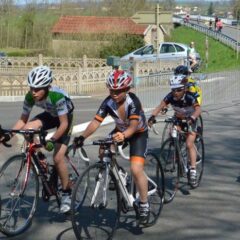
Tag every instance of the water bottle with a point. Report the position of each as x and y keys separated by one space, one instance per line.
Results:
x=174 y=132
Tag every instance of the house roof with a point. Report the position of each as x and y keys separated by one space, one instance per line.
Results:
x=93 y=24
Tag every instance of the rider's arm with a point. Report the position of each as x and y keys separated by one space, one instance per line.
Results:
x=21 y=122
x=159 y=108
x=120 y=136
x=197 y=112
x=91 y=128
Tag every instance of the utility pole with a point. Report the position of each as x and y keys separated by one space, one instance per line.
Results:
x=238 y=35
x=158 y=30
x=206 y=48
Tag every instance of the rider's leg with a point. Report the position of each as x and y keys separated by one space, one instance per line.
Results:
x=140 y=179
x=59 y=161
x=191 y=149
x=192 y=155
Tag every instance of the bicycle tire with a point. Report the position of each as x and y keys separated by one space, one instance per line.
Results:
x=166 y=131
x=94 y=221
x=168 y=157
x=154 y=171
x=17 y=205
x=200 y=125
x=199 y=144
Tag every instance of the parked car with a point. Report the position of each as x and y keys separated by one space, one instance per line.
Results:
x=4 y=61
x=167 y=50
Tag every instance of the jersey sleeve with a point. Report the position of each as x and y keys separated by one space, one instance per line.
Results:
x=168 y=98
x=102 y=111
x=59 y=100
x=28 y=104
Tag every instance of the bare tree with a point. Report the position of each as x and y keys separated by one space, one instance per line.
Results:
x=168 y=4
x=124 y=7
x=236 y=8
x=6 y=6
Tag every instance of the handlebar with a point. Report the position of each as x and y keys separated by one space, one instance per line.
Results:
x=107 y=142
x=28 y=133
x=176 y=121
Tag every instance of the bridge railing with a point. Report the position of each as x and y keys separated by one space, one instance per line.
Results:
x=216 y=35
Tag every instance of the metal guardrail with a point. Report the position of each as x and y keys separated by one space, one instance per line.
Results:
x=216 y=35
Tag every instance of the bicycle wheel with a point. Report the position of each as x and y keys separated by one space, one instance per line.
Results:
x=75 y=163
x=199 y=145
x=154 y=171
x=200 y=125
x=92 y=219
x=18 y=204
x=168 y=158
x=166 y=131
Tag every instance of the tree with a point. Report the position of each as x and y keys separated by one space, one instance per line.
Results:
x=168 y=4
x=6 y=6
x=26 y=25
x=124 y=7
x=210 y=9
x=236 y=9
x=121 y=45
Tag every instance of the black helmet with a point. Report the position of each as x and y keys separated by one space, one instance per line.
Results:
x=182 y=70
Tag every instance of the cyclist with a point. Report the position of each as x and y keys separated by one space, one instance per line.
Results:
x=125 y=108
x=191 y=84
x=185 y=106
x=58 y=113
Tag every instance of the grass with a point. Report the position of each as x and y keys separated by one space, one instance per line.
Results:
x=220 y=56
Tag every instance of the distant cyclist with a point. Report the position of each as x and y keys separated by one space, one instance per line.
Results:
x=126 y=110
x=185 y=106
x=58 y=113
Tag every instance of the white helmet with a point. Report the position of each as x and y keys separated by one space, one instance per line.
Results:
x=119 y=79
x=40 y=77
x=178 y=81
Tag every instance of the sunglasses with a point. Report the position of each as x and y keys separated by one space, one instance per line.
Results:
x=178 y=90
x=117 y=92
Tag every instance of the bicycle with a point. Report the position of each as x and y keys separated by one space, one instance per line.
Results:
x=109 y=190
x=174 y=158
x=168 y=126
x=19 y=181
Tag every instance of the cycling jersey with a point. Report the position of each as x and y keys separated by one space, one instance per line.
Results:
x=194 y=88
x=184 y=106
x=56 y=103
x=133 y=111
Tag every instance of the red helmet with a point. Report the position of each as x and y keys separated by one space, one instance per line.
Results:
x=119 y=79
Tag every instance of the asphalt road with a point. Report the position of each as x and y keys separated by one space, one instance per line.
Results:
x=208 y=212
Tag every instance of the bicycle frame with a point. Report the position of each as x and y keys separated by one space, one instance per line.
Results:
x=110 y=164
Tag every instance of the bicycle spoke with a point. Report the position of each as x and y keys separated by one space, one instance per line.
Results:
x=18 y=199
x=170 y=168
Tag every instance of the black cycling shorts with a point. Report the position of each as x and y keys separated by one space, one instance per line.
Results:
x=50 y=122
x=138 y=143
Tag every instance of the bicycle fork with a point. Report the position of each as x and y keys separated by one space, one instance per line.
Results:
x=102 y=179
